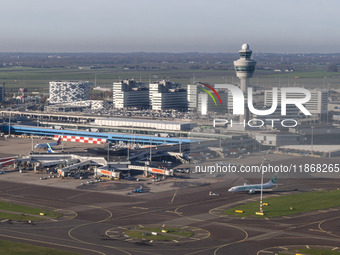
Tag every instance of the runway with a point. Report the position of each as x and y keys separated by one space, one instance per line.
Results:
x=93 y=222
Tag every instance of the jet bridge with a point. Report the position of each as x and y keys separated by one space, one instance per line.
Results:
x=152 y=170
x=63 y=171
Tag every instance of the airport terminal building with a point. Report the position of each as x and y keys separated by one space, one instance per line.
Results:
x=130 y=93
x=68 y=91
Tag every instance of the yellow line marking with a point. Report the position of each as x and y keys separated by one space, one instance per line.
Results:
x=173 y=198
x=334 y=248
x=78 y=195
x=307 y=246
x=67 y=217
x=142 y=208
x=90 y=223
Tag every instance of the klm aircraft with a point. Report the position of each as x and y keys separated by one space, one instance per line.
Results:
x=255 y=187
x=48 y=146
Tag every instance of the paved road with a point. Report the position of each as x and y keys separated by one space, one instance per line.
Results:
x=93 y=222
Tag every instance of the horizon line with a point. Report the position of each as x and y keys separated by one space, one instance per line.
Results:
x=157 y=52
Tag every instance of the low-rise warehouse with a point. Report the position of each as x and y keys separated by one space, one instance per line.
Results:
x=142 y=123
x=315 y=150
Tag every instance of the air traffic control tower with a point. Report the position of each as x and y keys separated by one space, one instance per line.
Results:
x=244 y=68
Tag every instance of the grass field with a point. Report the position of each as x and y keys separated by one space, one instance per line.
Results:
x=7 y=210
x=315 y=252
x=145 y=233
x=19 y=217
x=280 y=206
x=313 y=74
x=15 y=248
x=140 y=235
x=37 y=79
x=174 y=231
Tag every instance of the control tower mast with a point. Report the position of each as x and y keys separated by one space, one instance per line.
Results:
x=244 y=68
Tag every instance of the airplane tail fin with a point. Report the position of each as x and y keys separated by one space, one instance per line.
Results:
x=59 y=140
x=273 y=180
x=49 y=149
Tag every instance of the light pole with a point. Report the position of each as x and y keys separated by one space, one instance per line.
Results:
x=150 y=152
x=312 y=140
x=180 y=143
x=108 y=151
x=32 y=142
x=9 y=126
x=261 y=210
x=62 y=144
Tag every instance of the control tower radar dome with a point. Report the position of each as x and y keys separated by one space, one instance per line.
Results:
x=245 y=46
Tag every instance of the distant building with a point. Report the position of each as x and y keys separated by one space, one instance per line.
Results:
x=144 y=124
x=334 y=107
x=317 y=105
x=130 y=93
x=277 y=139
x=93 y=105
x=68 y=91
x=206 y=104
x=192 y=97
x=200 y=101
x=203 y=104
x=166 y=95
x=102 y=89
x=258 y=98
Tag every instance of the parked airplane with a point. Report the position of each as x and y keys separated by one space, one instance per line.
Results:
x=255 y=187
x=48 y=146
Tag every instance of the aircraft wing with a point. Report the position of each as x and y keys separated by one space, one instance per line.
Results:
x=264 y=190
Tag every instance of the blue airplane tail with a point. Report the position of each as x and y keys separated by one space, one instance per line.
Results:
x=49 y=149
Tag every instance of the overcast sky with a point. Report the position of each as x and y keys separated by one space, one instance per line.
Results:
x=292 y=26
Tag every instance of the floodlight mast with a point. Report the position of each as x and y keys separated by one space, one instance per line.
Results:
x=261 y=204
